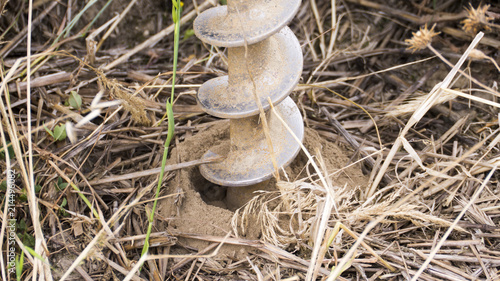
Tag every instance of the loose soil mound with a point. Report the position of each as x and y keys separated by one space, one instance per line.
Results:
x=206 y=208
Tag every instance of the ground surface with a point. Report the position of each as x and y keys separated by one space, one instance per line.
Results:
x=397 y=183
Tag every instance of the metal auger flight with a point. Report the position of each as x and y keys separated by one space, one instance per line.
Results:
x=264 y=60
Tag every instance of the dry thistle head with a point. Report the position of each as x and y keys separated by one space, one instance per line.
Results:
x=421 y=38
x=476 y=20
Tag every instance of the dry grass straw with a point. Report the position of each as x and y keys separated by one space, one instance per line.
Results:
x=307 y=209
x=106 y=233
x=328 y=204
x=147 y=257
x=285 y=226
x=431 y=100
x=399 y=225
x=9 y=190
x=115 y=24
x=455 y=222
x=297 y=223
x=417 y=115
x=39 y=267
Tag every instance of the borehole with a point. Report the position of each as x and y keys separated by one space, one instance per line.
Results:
x=229 y=198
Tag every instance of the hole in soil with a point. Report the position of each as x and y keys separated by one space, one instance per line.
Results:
x=210 y=193
x=229 y=198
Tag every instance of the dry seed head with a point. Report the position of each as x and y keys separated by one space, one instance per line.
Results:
x=476 y=20
x=476 y=54
x=133 y=104
x=421 y=38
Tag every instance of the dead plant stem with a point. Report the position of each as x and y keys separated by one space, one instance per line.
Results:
x=419 y=113
x=398 y=204
x=455 y=222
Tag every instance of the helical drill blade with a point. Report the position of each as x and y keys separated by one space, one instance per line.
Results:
x=264 y=62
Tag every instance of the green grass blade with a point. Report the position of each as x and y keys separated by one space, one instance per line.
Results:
x=19 y=266
x=87 y=202
x=176 y=14
x=35 y=254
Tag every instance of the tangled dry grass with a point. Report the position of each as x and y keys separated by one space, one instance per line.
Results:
x=420 y=119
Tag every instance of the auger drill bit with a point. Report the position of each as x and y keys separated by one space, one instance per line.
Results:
x=264 y=61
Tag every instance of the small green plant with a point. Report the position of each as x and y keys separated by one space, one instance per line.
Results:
x=23 y=234
x=176 y=15
x=3 y=186
x=33 y=253
x=61 y=185
x=75 y=100
x=63 y=204
x=188 y=33
x=59 y=132
x=77 y=17
x=23 y=196
x=19 y=266
x=10 y=149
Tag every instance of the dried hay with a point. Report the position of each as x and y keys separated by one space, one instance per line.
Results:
x=430 y=211
x=289 y=223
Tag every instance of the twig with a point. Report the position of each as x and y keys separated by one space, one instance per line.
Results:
x=42 y=81
x=464 y=36
x=408 y=16
x=155 y=171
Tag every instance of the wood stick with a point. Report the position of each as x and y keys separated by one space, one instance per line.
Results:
x=457 y=33
x=42 y=81
x=155 y=171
